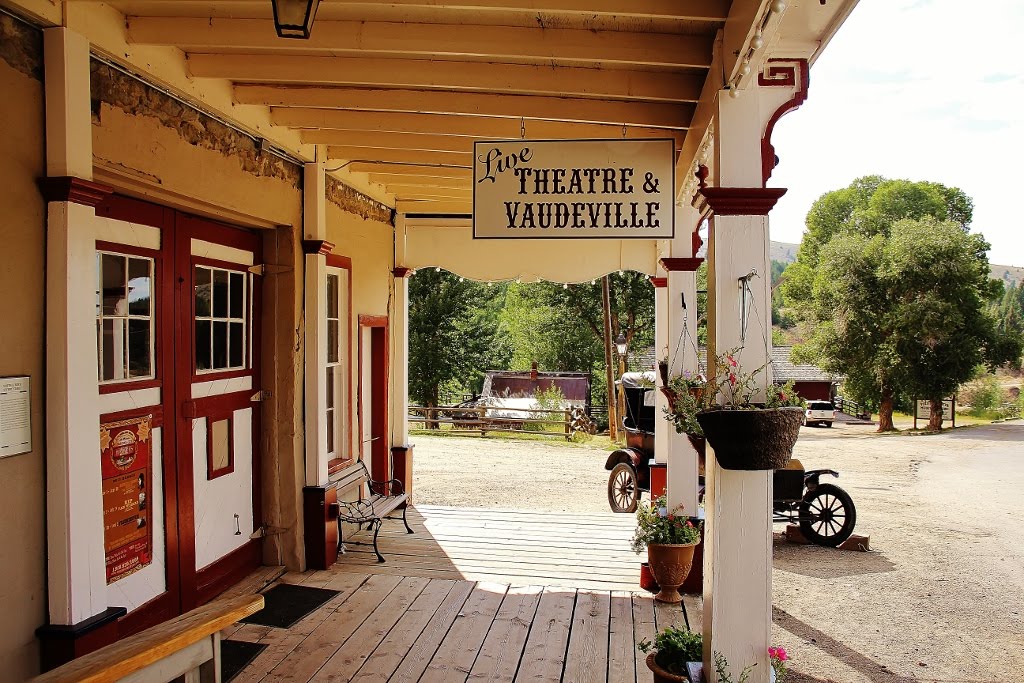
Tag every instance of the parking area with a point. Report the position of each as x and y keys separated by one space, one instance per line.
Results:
x=938 y=598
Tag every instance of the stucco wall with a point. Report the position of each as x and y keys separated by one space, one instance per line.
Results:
x=150 y=145
x=369 y=242
x=22 y=234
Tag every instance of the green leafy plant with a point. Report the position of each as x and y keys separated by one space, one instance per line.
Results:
x=657 y=524
x=686 y=399
x=673 y=648
x=722 y=669
x=779 y=657
x=783 y=396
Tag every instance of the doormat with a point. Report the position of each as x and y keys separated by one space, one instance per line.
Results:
x=285 y=604
x=235 y=655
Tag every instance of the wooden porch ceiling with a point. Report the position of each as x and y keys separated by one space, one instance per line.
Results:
x=400 y=89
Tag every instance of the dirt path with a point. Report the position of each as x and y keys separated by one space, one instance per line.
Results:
x=941 y=597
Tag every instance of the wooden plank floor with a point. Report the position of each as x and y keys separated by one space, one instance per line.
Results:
x=459 y=603
x=516 y=547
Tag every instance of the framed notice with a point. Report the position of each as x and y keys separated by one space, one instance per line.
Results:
x=923 y=410
x=15 y=416
x=127 y=470
x=558 y=189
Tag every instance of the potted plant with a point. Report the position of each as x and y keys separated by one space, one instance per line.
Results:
x=670 y=538
x=668 y=655
x=745 y=435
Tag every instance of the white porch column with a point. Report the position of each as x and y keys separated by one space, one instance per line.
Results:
x=400 y=342
x=316 y=248
x=77 y=587
x=738 y=533
x=682 y=342
x=661 y=351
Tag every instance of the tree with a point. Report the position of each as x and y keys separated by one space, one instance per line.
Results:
x=453 y=333
x=891 y=291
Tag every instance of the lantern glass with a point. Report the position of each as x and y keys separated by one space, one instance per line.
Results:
x=294 y=18
x=620 y=344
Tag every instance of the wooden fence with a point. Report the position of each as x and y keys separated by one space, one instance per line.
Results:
x=475 y=420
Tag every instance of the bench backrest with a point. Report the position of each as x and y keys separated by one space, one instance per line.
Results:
x=353 y=475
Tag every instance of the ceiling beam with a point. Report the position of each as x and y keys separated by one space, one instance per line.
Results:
x=409 y=156
x=647 y=114
x=421 y=181
x=496 y=43
x=353 y=138
x=412 y=170
x=524 y=79
x=691 y=10
x=417 y=192
x=437 y=207
x=326 y=120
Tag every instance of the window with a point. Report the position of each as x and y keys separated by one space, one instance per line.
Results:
x=336 y=371
x=124 y=317
x=221 y=314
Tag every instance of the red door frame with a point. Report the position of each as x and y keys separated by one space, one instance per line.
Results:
x=380 y=448
x=201 y=585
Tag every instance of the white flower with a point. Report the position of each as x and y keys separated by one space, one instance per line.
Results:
x=663 y=512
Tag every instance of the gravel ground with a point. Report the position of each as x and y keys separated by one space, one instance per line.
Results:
x=939 y=598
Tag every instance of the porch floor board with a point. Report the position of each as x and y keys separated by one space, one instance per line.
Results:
x=457 y=602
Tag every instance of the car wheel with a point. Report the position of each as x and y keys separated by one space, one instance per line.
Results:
x=623 y=489
x=827 y=424
x=827 y=515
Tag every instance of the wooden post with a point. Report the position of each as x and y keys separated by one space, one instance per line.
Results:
x=483 y=412
x=568 y=425
x=606 y=304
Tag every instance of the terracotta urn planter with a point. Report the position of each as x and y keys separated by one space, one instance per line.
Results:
x=663 y=675
x=760 y=439
x=670 y=565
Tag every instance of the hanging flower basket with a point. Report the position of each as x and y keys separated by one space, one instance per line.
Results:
x=758 y=439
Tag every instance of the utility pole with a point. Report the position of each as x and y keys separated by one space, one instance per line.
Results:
x=606 y=304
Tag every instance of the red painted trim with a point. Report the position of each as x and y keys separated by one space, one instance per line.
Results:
x=659 y=282
x=339 y=261
x=782 y=73
x=214 y=579
x=219 y=233
x=134 y=210
x=129 y=249
x=378 y=415
x=317 y=247
x=338 y=464
x=211 y=471
x=216 y=405
x=401 y=271
x=74 y=190
x=676 y=265
x=742 y=201
x=156 y=410
x=220 y=374
x=118 y=387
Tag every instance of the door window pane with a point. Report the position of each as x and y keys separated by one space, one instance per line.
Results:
x=220 y=459
x=221 y=319
x=337 y=342
x=124 y=317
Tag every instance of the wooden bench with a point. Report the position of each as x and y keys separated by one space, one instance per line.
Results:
x=186 y=648
x=381 y=501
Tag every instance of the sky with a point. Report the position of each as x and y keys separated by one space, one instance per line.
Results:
x=915 y=89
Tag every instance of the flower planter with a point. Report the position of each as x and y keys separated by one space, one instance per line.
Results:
x=664 y=675
x=760 y=439
x=647 y=581
x=670 y=565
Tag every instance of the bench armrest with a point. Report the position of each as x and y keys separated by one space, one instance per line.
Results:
x=392 y=482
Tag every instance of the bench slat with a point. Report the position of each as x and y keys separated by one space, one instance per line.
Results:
x=120 y=659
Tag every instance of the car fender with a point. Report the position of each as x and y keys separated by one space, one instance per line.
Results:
x=811 y=477
x=628 y=455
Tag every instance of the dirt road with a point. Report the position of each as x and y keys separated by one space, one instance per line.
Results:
x=939 y=599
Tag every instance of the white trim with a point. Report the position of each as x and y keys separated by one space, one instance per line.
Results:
x=221 y=386
x=128 y=400
x=124 y=232
x=221 y=252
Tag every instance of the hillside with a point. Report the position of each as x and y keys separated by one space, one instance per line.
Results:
x=786 y=253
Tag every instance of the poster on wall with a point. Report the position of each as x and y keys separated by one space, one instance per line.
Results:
x=543 y=189
x=15 y=416
x=125 y=448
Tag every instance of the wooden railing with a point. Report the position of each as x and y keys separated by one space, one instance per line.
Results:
x=475 y=419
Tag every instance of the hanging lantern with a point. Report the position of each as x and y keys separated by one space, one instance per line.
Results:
x=294 y=18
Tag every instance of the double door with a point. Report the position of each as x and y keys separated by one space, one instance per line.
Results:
x=178 y=321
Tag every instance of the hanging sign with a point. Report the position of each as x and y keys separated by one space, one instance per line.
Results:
x=534 y=189
x=127 y=481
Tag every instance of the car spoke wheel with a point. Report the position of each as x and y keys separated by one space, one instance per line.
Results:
x=827 y=515
x=623 y=488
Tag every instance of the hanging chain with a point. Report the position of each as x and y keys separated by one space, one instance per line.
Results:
x=522 y=127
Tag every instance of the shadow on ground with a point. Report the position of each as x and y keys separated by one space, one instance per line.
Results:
x=869 y=668
x=828 y=563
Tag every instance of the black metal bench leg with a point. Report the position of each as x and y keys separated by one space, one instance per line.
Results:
x=404 y=520
x=341 y=539
x=380 y=558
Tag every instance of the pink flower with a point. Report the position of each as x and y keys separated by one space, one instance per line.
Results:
x=732 y=362
x=732 y=378
x=778 y=653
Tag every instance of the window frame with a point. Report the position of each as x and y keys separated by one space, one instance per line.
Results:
x=156 y=298
x=341 y=456
x=247 y=367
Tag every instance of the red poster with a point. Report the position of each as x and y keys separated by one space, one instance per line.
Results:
x=127 y=486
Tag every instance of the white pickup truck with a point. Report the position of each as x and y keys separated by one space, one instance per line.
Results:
x=819 y=412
